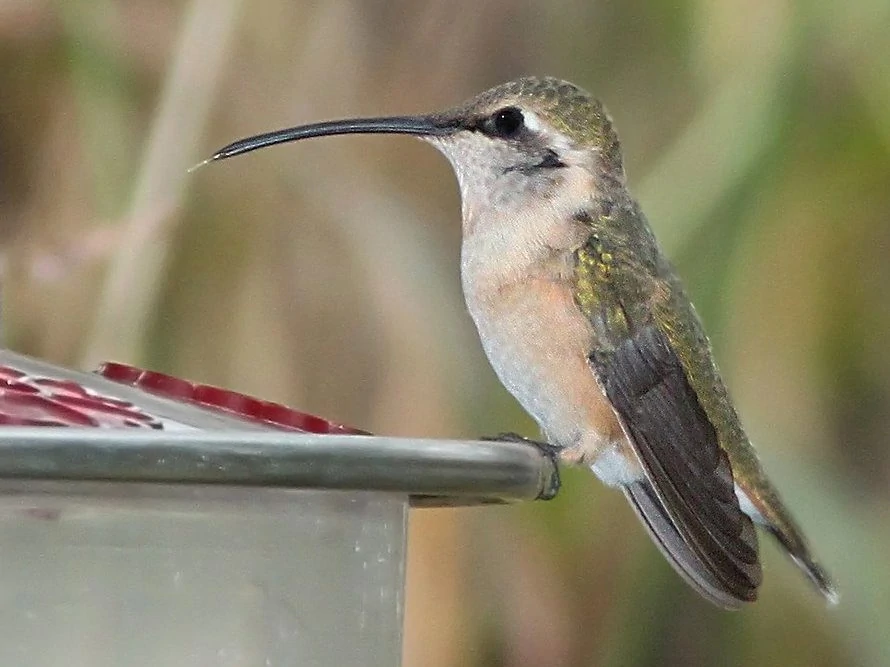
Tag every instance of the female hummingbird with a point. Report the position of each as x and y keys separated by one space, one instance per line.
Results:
x=587 y=324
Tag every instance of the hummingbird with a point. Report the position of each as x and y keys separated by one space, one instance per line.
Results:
x=587 y=324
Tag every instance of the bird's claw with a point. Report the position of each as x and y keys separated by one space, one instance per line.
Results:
x=553 y=483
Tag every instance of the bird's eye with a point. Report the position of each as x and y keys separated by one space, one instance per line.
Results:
x=506 y=122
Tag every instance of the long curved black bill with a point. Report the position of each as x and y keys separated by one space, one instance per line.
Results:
x=416 y=125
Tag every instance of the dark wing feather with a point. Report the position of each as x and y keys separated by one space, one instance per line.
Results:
x=676 y=550
x=687 y=500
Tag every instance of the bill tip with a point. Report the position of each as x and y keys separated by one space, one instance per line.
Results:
x=195 y=167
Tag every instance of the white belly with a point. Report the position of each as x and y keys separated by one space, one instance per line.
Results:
x=537 y=341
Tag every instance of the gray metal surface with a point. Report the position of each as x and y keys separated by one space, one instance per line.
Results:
x=433 y=472
x=202 y=446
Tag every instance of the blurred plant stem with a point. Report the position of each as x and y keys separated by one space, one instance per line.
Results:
x=134 y=276
x=728 y=136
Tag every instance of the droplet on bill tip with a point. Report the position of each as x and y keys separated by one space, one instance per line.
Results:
x=195 y=167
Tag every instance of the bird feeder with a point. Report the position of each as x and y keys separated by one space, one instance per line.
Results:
x=169 y=523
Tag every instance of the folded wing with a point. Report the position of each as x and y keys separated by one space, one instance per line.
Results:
x=687 y=498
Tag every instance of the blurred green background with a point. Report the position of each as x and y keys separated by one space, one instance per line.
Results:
x=756 y=134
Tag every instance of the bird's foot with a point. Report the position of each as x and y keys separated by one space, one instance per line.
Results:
x=553 y=483
x=552 y=451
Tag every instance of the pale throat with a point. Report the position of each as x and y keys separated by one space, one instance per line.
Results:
x=523 y=227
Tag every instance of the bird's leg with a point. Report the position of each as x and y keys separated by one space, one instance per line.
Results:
x=554 y=483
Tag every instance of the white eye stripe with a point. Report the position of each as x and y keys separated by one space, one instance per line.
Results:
x=531 y=121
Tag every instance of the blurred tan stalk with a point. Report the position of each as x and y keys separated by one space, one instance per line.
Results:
x=133 y=279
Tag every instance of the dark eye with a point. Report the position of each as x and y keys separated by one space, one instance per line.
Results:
x=506 y=122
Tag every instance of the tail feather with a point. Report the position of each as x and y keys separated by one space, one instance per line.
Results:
x=767 y=510
x=800 y=554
